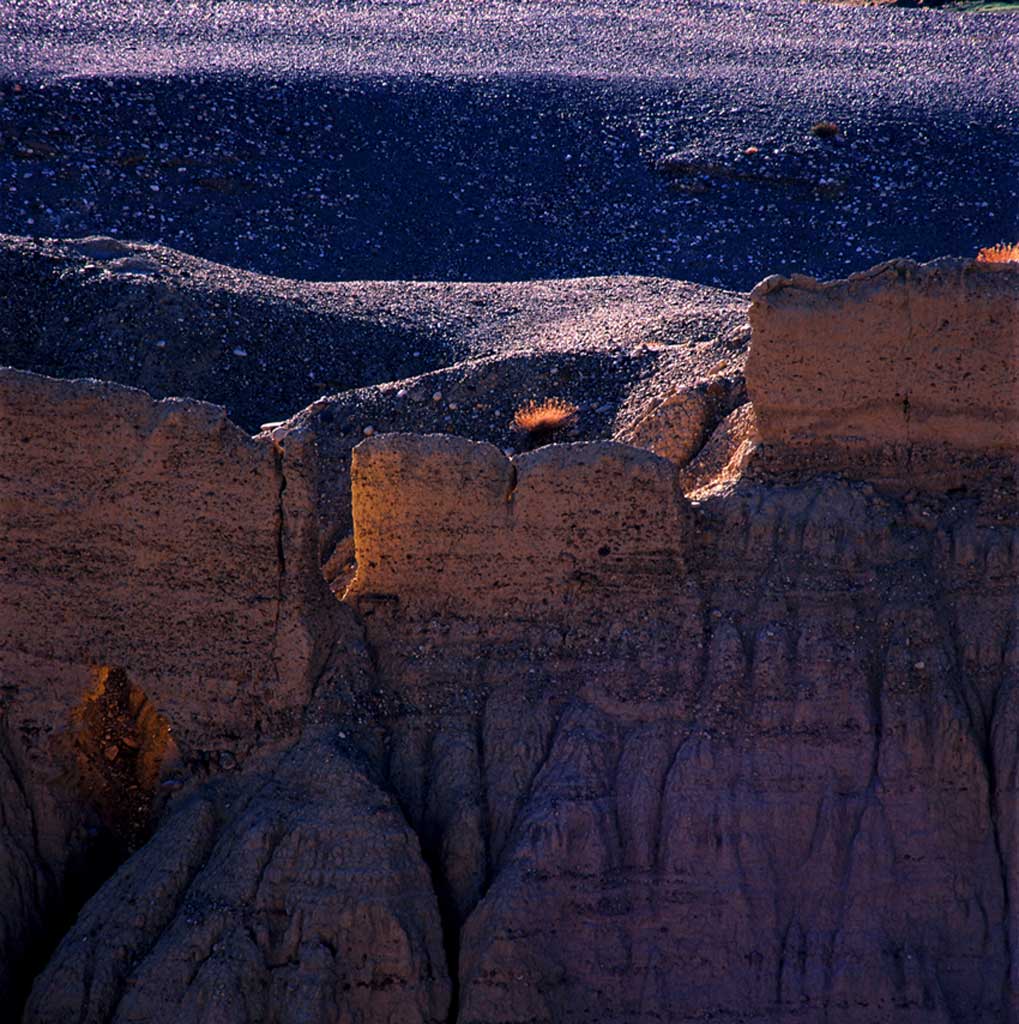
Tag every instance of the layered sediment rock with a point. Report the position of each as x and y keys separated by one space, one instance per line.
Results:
x=154 y=537
x=447 y=526
x=906 y=370
x=576 y=746
x=162 y=615
x=779 y=797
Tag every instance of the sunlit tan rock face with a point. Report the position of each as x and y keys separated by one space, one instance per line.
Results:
x=156 y=616
x=905 y=370
x=593 y=736
x=453 y=526
x=773 y=782
x=151 y=536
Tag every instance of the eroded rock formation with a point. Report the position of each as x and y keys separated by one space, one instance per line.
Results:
x=773 y=785
x=162 y=616
x=297 y=895
x=906 y=370
x=594 y=735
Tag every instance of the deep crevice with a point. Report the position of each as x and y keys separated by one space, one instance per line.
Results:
x=281 y=520
x=117 y=750
x=449 y=920
x=994 y=814
x=120 y=745
x=281 y=556
x=511 y=486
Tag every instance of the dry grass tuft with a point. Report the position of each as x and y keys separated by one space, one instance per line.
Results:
x=825 y=129
x=1000 y=253
x=540 y=419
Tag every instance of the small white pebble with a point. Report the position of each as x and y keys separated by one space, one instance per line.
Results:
x=402 y=393
x=453 y=405
x=919 y=666
x=368 y=431
x=239 y=352
x=437 y=397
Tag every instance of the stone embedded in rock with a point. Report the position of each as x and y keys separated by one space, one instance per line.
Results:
x=101 y=248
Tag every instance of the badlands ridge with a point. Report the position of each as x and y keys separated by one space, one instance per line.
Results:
x=709 y=715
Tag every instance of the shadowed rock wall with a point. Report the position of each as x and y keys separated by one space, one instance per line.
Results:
x=294 y=893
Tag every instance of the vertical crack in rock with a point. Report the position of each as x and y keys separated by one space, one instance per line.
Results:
x=281 y=554
x=511 y=486
x=909 y=348
x=430 y=839
x=451 y=941
x=28 y=929
x=995 y=812
x=485 y=815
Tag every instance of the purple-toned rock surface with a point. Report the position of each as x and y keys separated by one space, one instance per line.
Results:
x=590 y=736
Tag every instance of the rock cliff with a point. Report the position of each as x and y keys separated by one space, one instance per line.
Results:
x=776 y=785
x=593 y=734
x=905 y=370
x=161 y=616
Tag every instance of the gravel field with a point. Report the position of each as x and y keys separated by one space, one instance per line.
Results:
x=265 y=347
x=500 y=141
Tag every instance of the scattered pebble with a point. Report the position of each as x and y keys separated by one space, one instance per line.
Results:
x=491 y=202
